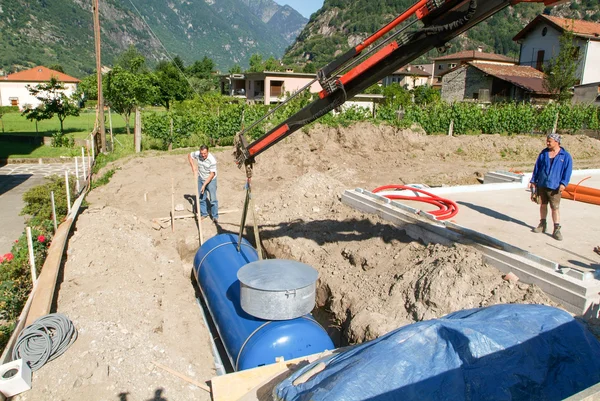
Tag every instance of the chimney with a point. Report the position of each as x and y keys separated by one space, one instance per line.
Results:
x=479 y=49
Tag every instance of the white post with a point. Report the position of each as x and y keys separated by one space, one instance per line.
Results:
x=83 y=165
x=31 y=256
x=76 y=176
x=68 y=191
x=53 y=210
x=89 y=162
x=451 y=128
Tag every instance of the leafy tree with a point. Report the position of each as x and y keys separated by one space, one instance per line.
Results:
x=561 y=71
x=256 y=63
x=57 y=67
x=202 y=68
x=89 y=87
x=171 y=84
x=131 y=60
x=310 y=68
x=53 y=102
x=425 y=94
x=236 y=69
x=396 y=96
x=271 y=64
x=125 y=91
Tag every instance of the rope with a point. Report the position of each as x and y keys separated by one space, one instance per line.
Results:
x=45 y=340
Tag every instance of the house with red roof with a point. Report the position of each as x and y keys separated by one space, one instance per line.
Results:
x=443 y=64
x=13 y=87
x=540 y=41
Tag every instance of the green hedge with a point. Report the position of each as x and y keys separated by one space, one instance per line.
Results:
x=215 y=119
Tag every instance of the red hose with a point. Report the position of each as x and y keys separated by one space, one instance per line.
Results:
x=446 y=207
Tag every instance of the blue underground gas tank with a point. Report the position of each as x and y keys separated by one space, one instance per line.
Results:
x=249 y=341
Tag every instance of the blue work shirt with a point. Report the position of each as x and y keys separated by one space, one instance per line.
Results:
x=549 y=174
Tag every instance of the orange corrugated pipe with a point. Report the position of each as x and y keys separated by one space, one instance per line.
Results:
x=582 y=194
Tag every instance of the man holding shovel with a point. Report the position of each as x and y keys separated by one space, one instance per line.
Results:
x=204 y=166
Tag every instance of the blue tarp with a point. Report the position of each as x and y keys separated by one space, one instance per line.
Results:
x=502 y=352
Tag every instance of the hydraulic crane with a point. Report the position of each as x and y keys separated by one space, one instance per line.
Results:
x=387 y=50
x=390 y=48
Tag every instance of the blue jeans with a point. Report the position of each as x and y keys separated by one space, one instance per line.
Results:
x=211 y=189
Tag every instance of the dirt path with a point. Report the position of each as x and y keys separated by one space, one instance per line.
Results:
x=127 y=286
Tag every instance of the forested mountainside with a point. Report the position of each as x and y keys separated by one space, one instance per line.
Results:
x=341 y=24
x=47 y=32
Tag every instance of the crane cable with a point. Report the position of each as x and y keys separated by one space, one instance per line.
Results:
x=446 y=207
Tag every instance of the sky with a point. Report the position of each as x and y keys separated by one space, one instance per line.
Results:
x=304 y=7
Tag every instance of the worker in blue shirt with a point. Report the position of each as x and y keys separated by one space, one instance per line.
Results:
x=551 y=176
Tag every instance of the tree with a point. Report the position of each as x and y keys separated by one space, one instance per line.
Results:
x=89 y=87
x=57 y=67
x=131 y=60
x=172 y=85
x=256 y=63
x=125 y=91
x=236 y=69
x=202 y=69
x=53 y=102
x=561 y=71
x=426 y=94
x=310 y=68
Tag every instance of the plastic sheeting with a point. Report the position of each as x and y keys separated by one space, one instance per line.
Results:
x=502 y=352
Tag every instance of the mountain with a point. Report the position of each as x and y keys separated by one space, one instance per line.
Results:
x=341 y=24
x=46 y=32
x=282 y=19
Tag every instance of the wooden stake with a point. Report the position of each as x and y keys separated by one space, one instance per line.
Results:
x=83 y=165
x=68 y=192
x=200 y=235
x=76 y=178
x=172 y=206
x=183 y=377
x=53 y=210
x=31 y=256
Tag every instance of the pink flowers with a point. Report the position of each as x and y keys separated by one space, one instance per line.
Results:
x=7 y=257
x=41 y=239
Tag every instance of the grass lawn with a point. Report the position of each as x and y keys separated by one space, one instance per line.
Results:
x=79 y=126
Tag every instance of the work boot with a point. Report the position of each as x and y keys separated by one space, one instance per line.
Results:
x=541 y=228
x=556 y=234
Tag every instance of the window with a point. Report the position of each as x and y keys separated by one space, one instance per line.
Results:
x=440 y=67
x=544 y=31
x=452 y=65
x=14 y=101
x=539 y=64
x=475 y=95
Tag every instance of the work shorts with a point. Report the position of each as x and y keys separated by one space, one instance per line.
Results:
x=551 y=196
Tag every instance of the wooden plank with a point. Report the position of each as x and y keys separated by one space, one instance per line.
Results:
x=46 y=283
x=182 y=376
x=253 y=384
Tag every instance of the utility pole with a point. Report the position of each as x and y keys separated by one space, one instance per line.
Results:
x=100 y=110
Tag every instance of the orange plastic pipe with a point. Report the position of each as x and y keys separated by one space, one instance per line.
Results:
x=579 y=190
x=582 y=198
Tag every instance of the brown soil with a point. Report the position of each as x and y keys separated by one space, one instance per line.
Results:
x=126 y=283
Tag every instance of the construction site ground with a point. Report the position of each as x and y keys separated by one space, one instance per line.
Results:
x=126 y=281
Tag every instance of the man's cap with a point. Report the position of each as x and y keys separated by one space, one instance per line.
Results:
x=555 y=136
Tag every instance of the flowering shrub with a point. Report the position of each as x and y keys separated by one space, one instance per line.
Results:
x=15 y=271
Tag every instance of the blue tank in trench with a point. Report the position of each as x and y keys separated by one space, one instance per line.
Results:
x=249 y=341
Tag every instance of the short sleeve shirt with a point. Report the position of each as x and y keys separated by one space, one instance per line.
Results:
x=205 y=166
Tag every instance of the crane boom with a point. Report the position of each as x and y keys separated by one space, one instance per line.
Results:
x=349 y=74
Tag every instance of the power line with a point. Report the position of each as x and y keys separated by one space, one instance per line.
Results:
x=164 y=48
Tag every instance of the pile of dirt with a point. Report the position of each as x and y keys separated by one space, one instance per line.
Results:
x=127 y=286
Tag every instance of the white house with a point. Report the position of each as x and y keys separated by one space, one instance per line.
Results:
x=410 y=76
x=13 y=87
x=540 y=41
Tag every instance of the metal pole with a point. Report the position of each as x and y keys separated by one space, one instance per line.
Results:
x=53 y=210
x=68 y=192
x=31 y=256
x=100 y=106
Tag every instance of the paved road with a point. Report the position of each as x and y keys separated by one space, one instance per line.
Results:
x=15 y=180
